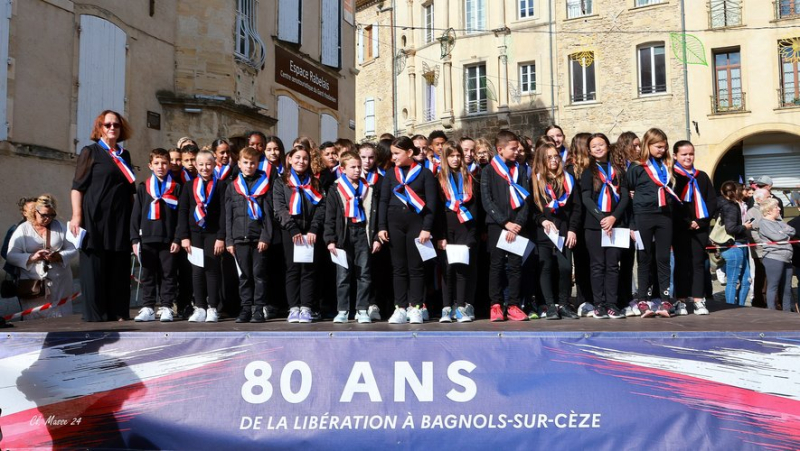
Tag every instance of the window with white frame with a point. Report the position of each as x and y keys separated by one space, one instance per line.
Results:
x=249 y=46
x=525 y=9
x=475 y=15
x=648 y=2
x=725 y=13
x=368 y=47
x=475 y=89
x=581 y=68
x=788 y=8
x=369 y=116
x=652 y=69
x=429 y=114
x=331 y=33
x=527 y=78
x=290 y=13
x=578 y=8
x=427 y=21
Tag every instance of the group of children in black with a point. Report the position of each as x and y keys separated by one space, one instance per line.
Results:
x=265 y=224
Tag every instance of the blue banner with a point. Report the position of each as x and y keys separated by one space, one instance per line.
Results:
x=400 y=390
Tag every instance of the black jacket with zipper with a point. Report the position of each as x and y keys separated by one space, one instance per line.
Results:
x=240 y=228
x=311 y=218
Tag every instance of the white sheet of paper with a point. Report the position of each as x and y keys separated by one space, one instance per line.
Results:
x=340 y=258
x=620 y=238
x=520 y=246
x=238 y=268
x=304 y=252
x=426 y=251
x=196 y=257
x=76 y=240
x=557 y=239
x=639 y=242
x=457 y=254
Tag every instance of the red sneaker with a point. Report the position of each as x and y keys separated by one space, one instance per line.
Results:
x=516 y=314
x=496 y=314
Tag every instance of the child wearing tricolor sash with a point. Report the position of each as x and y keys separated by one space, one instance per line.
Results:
x=381 y=264
x=651 y=180
x=505 y=195
x=201 y=225
x=605 y=198
x=248 y=222
x=408 y=202
x=556 y=208
x=351 y=225
x=272 y=163
x=460 y=193
x=300 y=209
x=153 y=223
x=691 y=228
x=188 y=162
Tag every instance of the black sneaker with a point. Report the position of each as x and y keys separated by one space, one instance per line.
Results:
x=615 y=313
x=245 y=315
x=551 y=313
x=187 y=311
x=271 y=313
x=567 y=311
x=258 y=315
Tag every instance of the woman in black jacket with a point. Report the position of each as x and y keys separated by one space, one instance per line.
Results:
x=737 y=266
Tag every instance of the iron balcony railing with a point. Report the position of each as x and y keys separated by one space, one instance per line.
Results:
x=735 y=102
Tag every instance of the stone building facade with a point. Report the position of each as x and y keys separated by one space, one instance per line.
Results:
x=375 y=49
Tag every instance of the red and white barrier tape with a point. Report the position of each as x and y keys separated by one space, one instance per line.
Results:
x=752 y=244
x=40 y=308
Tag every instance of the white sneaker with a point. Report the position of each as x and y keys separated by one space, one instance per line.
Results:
x=399 y=316
x=211 y=315
x=680 y=309
x=374 y=312
x=700 y=308
x=145 y=314
x=363 y=317
x=166 y=314
x=446 y=315
x=415 y=315
x=341 y=317
x=470 y=311
x=198 y=316
x=462 y=316
x=425 y=315
x=633 y=309
x=586 y=310
x=722 y=278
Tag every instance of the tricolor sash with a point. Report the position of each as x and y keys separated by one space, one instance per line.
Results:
x=517 y=193
x=564 y=152
x=691 y=192
x=203 y=192
x=473 y=167
x=454 y=198
x=353 y=199
x=658 y=173
x=160 y=191
x=260 y=188
x=403 y=191
x=116 y=156
x=222 y=171
x=609 y=190
x=432 y=166
x=555 y=201
x=186 y=176
x=299 y=188
x=374 y=175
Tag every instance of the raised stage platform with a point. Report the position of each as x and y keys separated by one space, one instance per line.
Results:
x=730 y=380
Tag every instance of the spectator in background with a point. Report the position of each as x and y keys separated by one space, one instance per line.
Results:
x=777 y=257
x=794 y=198
x=795 y=224
x=24 y=204
x=759 y=286
x=765 y=182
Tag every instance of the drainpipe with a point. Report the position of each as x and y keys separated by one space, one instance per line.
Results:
x=394 y=74
x=685 y=73
x=552 y=76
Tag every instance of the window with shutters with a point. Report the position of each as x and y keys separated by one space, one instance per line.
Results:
x=525 y=9
x=727 y=82
x=331 y=35
x=788 y=8
x=250 y=48
x=725 y=13
x=368 y=43
x=476 y=93
x=475 y=15
x=288 y=119
x=427 y=22
x=527 y=78
x=328 y=128
x=289 y=22
x=369 y=117
x=652 y=69
x=582 y=78
x=790 y=79
x=578 y=8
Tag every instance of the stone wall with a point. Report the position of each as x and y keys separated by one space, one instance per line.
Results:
x=375 y=76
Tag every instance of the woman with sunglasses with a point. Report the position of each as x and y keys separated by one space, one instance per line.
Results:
x=39 y=248
x=102 y=201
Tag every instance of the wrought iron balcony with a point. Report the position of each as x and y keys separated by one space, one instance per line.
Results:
x=733 y=103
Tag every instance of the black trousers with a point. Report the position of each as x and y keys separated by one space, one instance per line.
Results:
x=408 y=268
x=106 y=284
x=550 y=260
x=660 y=227
x=206 y=280
x=159 y=274
x=459 y=281
x=499 y=261
x=604 y=263
x=276 y=269
x=382 y=290
x=185 y=281
x=300 y=277
x=253 y=280
x=582 y=271
x=229 y=298
x=626 y=263
x=690 y=260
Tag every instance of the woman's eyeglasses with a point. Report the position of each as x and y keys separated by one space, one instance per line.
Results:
x=46 y=216
x=111 y=125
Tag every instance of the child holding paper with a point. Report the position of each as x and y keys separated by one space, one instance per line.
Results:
x=248 y=219
x=300 y=209
x=556 y=214
x=460 y=194
x=651 y=180
x=153 y=223
x=201 y=225
x=408 y=202
x=605 y=197
x=692 y=226
x=504 y=194
x=351 y=227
